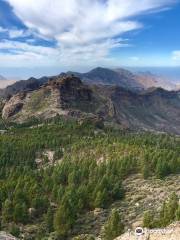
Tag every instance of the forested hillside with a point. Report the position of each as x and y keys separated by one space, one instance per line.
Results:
x=53 y=173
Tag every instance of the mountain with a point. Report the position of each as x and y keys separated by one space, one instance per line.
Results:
x=119 y=77
x=135 y=82
x=148 y=80
x=22 y=85
x=155 y=110
x=71 y=164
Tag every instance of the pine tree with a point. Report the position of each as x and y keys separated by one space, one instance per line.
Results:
x=20 y=213
x=7 y=211
x=65 y=215
x=172 y=206
x=101 y=199
x=148 y=219
x=169 y=210
x=113 y=227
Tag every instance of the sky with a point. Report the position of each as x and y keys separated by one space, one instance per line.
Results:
x=45 y=37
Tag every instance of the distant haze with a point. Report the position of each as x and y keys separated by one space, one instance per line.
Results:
x=170 y=73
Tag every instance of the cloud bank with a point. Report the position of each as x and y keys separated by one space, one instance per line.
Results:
x=84 y=30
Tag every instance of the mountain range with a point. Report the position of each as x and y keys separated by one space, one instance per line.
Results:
x=67 y=95
x=135 y=82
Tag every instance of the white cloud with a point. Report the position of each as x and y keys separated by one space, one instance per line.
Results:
x=176 y=55
x=84 y=29
x=24 y=54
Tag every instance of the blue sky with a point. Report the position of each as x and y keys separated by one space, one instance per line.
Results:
x=49 y=36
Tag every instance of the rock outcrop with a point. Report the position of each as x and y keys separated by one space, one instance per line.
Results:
x=60 y=96
x=13 y=106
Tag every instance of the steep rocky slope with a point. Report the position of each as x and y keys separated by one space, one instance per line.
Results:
x=156 y=109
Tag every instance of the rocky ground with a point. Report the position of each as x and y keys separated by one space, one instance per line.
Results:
x=141 y=195
x=172 y=232
x=6 y=236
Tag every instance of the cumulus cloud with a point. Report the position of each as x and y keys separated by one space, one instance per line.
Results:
x=84 y=29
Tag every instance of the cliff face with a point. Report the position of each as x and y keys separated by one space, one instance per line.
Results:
x=170 y=233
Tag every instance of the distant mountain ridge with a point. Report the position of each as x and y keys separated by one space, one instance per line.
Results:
x=148 y=80
x=23 y=85
x=119 y=77
x=135 y=82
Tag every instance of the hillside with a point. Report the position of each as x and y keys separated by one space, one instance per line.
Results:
x=63 y=177
x=155 y=110
x=81 y=161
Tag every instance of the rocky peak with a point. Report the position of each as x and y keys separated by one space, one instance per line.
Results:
x=65 y=81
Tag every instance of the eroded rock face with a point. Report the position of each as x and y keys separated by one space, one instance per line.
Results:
x=172 y=232
x=13 y=106
x=71 y=90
